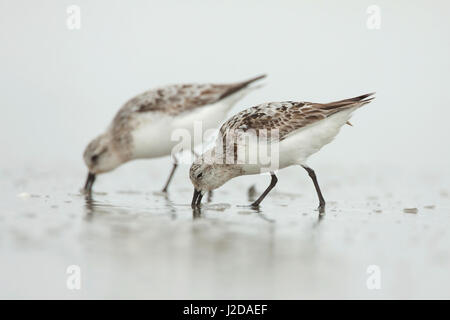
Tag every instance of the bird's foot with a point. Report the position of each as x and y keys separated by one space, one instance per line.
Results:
x=253 y=205
x=321 y=208
x=85 y=192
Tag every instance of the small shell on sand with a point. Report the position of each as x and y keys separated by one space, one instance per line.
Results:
x=24 y=195
x=410 y=210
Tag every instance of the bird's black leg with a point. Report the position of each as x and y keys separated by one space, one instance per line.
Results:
x=272 y=184
x=313 y=176
x=175 y=165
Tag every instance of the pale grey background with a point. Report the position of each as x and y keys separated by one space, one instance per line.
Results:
x=60 y=88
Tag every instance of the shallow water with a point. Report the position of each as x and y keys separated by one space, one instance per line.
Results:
x=131 y=241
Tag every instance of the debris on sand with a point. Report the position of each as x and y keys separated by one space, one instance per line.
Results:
x=218 y=206
x=24 y=195
x=431 y=206
x=410 y=210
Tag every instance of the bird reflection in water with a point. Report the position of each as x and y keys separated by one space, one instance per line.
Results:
x=95 y=207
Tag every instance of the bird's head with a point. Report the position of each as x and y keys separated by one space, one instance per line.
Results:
x=100 y=156
x=207 y=175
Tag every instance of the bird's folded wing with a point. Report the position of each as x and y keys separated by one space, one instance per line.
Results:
x=279 y=119
x=175 y=99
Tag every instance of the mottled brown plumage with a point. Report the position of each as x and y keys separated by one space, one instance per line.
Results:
x=175 y=99
x=287 y=116
x=170 y=100
x=287 y=134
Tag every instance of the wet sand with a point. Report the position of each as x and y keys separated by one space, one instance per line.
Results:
x=131 y=241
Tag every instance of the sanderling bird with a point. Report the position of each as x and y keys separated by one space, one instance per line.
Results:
x=142 y=127
x=295 y=130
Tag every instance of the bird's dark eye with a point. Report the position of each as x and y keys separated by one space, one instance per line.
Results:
x=94 y=158
x=199 y=175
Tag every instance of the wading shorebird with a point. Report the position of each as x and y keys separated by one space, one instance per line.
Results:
x=295 y=130
x=143 y=127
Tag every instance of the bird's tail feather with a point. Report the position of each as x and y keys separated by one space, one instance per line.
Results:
x=241 y=85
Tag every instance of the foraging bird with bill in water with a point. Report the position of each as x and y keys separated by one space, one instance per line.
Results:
x=302 y=129
x=143 y=127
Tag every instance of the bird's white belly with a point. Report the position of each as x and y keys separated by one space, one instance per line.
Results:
x=299 y=146
x=151 y=137
x=296 y=148
x=156 y=135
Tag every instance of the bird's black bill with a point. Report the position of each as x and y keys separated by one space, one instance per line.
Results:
x=196 y=199
x=89 y=183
